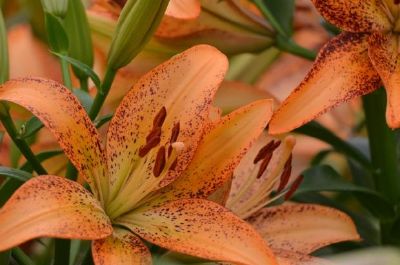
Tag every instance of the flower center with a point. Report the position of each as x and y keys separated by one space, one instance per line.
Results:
x=154 y=160
x=271 y=173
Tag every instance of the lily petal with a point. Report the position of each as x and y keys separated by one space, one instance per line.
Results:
x=61 y=112
x=285 y=257
x=185 y=85
x=355 y=15
x=234 y=94
x=51 y=206
x=342 y=71
x=183 y=9
x=303 y=228
x=384 y=55
x=220 y=152
x=121 y=248
x=200 y=228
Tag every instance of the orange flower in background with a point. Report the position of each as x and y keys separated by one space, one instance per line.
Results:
x=293 y=231
x=160 y=140
x=352 y=64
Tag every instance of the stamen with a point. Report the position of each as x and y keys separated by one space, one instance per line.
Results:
x=155 y=132
x=175 y=133
x=264 y=165
x=294 y=187
x=153 y=142
x=287 y=171
x=159 y=164
x=173 y=165
x=269 y=148
x=160 y=118
x=396 y=2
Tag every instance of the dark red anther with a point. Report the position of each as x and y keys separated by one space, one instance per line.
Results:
x=295 y=185
x=269 y=148
x=175 y=133
x=396 y=2
x=287 y=171
x=173 y=165
x=151 y=143
x=264 y=165
x=160 y=118
x=155 y=132
x=159 y=164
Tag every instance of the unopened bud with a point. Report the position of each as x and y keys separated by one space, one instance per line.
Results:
x=57 y=8
x=137 y=23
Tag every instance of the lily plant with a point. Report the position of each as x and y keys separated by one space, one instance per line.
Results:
x=167 y=149
x=356 y=62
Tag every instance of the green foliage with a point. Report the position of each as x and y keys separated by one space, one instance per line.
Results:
x=80 y=41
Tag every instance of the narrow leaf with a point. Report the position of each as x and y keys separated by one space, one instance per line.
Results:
x=83 y=67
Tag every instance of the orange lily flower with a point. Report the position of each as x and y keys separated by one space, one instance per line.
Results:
x=293 y=231
x=160 y=138
x=352 y=64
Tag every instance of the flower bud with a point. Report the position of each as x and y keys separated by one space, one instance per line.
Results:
x=57 y=8
x=136 y=24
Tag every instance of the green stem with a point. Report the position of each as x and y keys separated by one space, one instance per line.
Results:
x=21 y=257
x=65 y=73
x=383 y=145
x=20 y=143
x=61 y=251
x=84 y=84
x=290 y=46
x=102 y=93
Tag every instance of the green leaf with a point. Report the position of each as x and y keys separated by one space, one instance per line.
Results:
x=15 y=173
x=80 y=41
x=102 y=120
x=83 y=67
x=282 y=11
x=325 y=178
x=279 y=13
x=316 y=130
x=30 y=127
x=5 y=257
x=56 y=35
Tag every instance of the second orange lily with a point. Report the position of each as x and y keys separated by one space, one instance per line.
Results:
x=352 y=64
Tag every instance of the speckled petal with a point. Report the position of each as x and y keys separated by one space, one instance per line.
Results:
x=200 y=228
x=185 y=85
x=183 y=9
x=355 y=15
x=384 y=54
x=285 y=257
x=51 y=206
x=342 y=71
x=303 y=228
x=121 y=248
x=220 y=152
x=61 y=112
